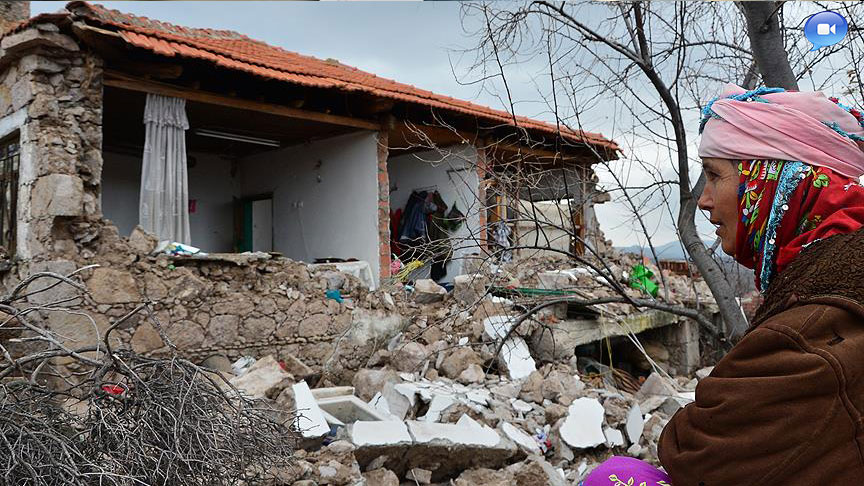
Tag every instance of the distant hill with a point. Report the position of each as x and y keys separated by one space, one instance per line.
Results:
x=673 y=250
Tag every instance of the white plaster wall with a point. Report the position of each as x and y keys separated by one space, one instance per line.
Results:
x=453 y=172
x=210 y=184
x=325 y=197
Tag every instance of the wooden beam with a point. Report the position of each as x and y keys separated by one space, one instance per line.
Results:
x=124 y=81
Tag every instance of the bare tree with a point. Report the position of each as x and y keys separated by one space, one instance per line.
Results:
x=100 y=414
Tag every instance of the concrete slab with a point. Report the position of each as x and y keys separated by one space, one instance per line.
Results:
x=310 y=420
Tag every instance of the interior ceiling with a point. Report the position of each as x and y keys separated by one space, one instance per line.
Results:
x=123 y=128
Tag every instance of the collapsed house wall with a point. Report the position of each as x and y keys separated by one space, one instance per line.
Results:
x=325 y=197
x=211 y=192
x=453 y=173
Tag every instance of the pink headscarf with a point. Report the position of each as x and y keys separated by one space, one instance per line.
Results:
x=787 y=125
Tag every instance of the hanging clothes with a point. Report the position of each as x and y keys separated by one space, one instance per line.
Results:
x=413 y=224
x=502 y=239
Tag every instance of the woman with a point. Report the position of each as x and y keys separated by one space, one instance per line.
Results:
x=785 y=405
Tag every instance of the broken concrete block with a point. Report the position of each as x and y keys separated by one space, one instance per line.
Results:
x=331 y=391
x=310 y=420
x=379 y=434
x=394 y=402
x=635 y=424
x=438 y=404
x=262 y=379
x=515 y=355
x=57 y=195
x=656 y=385
x=583 y=427
x=349 y=409
x=426 y=291
x=525 y=442
x=419 y=476
x=448 y=448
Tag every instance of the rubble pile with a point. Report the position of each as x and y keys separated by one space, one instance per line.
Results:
x=406 y=384
x=393 y=427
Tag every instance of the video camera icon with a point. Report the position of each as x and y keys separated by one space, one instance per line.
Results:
x=825 y=29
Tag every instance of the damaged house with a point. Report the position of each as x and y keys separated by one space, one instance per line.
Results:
x=305 y=184
x=251 y=147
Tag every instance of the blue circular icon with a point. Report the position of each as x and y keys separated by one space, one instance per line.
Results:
x=825 y=29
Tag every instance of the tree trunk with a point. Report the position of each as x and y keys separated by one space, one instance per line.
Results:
x=766 y=43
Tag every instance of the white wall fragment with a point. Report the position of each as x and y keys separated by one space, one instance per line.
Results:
x=523 y=440
x=583 y=427
x=635 y=424
x=310 y=420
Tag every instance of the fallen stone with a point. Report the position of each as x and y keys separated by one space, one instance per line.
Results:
x=656 y=385
x=525 y=442
x=468 y=289
x=296 y=367
x=381 y=477
x=368 y=382
x=583 y=427
x=438 y=404
x=535 y=470
x=391 y=401
x=142 y=241
x=484 y=477
x=426 y=291
x=472 y=374
x=409 y=356
x=457 y=361
x=419 y=476
x=310 y=420
x=265 y=378
x=532 y=388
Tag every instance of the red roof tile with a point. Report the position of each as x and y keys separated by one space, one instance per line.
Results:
x=235 y=51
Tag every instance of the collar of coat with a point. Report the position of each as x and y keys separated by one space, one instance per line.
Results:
x=830 y=271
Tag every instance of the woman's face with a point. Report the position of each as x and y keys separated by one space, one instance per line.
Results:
x=720 y=199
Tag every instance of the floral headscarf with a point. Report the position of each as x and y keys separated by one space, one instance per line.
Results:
x=626 y=471
x=784 y=206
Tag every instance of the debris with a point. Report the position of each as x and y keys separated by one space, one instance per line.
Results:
x=310 y=420
x=265 y=378
x=458 y=361
x=241 y=366
x=514 y=356
x=656 y=385
x=635 y=424
x=472 y=374
x=381 y=477
x=583 y=427
x=418 y=475
x=704 y=372
x=409 y=356
x=614 y=437
x=426 y=291
x=524 y=441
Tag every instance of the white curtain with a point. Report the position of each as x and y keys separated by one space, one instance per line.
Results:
x=164 y=208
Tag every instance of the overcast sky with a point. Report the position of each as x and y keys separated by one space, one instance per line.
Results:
x=416 y=43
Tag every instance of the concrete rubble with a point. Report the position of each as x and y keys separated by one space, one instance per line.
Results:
x=398 y=385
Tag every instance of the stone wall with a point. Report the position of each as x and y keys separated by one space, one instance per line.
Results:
x=51 y=92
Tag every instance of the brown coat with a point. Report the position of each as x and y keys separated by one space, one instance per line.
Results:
x=785 y=405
